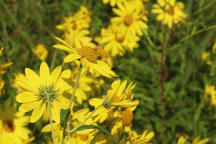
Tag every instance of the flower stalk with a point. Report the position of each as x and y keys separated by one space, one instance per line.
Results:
x=67 y=117
x=50 y=117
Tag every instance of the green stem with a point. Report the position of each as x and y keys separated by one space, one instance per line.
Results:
x=74 y=129
x=50 y=117
x=191 y=35
x=70 y=105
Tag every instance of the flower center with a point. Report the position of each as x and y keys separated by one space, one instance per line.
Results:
x=170 y=10
x=128 y=20
x=83 y=137
x=119 y=39
x=127 y=116
x=48 y=93
x=88 y=53
x=9 y=126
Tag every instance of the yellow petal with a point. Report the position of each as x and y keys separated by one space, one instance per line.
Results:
x=29 y=106
x=26 y=97
x=71 y=58
x=45 y=73
x=95 y=102
x=56 y=74
x=37 y=113
x=32 y=77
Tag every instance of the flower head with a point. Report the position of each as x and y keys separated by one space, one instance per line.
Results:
x=41 y=52
x=130 y=18
x=169 y=12
x=87 y=57
x=12 y=126
x=118 y=103
x=39 y=90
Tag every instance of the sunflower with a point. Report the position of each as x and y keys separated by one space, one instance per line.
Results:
x=12 y=126
x=118 y=98
x=40 y=90
x=87 y=56
x=115 y=41
x=130 y=18
x=169 y=12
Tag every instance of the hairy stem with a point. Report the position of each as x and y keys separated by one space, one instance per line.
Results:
x=74 y=129
x=50 y=117
x=70 y=105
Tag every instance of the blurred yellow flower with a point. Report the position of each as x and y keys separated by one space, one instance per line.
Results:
x=130 y=19
x=198 y=141
x=77 y=23
x=181 y=140
x=40 y=90
x=210 y=94
x=12 y=126
x=206 y=57
x=87 y=56
x=169 y=12
x=116 y=42
x=41 y=52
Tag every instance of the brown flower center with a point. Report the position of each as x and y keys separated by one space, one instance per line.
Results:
x=170 y=10
x=9 y=126
x=128 y=20
x=119 y=39
x=83 y=137
x=127 y=116
x=88 y=53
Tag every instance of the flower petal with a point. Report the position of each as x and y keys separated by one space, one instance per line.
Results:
x=26 y=97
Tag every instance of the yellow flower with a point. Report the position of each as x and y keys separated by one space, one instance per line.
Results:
x=181 y=140
x=77 y=23
x=210 y=94
x=169 y=12
x=116 y=42
x=134 y=138
x=130 y=19
x=87 y=56
x=112 y=2
x=12 y=126
x=198 y=141
x=118 y=97
x=39 y=90
x=41 y=52
x=206 y=57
